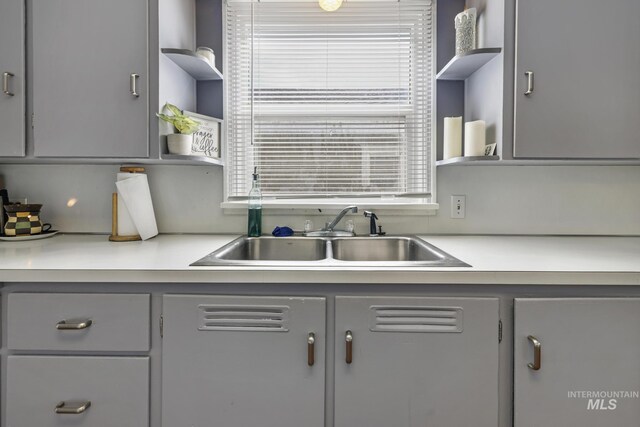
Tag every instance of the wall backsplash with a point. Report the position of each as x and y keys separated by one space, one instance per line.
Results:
x=598 y=200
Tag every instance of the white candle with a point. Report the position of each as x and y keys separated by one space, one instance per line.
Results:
x=452 y=142
x=474 y=138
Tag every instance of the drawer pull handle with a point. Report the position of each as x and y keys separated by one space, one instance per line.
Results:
x=311 y=349
x=5 y=83
x=133 y=85
x=74 y=325
x=529 y=75
x=348 y=339
x=72 y=408
x=537 y=353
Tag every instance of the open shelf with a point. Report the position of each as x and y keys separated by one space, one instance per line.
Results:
x=191 y=160
x=196 y=66
x=462 y=66
x=467 y=160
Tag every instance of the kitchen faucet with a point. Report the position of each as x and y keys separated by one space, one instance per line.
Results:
x=343 y=212
x=329 y=229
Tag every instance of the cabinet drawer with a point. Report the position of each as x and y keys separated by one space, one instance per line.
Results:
x=78 y=322
x=117 y=387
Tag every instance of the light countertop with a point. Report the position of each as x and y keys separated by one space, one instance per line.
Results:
x=166 y=258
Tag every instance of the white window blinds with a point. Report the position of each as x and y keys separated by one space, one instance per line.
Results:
x=329 y=104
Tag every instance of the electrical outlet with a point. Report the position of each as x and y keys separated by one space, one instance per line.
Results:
x=458 y=205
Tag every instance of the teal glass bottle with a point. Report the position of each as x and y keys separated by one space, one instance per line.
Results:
x=255 y=207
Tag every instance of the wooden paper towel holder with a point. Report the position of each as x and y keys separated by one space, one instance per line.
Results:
x=114 y=237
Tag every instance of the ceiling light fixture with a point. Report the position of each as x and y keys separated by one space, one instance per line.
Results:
x=330 y=5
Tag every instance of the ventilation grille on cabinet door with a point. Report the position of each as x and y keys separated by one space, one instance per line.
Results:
x=415 y=319
x=243 y=318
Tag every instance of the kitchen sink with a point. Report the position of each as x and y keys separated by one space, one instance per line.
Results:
x=272 y=249
x=398 y=251
x=386 y=249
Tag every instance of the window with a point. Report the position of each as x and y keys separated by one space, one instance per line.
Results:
x=329 y=104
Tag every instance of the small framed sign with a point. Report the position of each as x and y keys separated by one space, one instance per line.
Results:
x=206 y=140
x=489 y=149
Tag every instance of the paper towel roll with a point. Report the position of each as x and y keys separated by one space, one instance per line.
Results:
x=452 y=143
x=474 y=138
x=126 y=227
x=134 y=191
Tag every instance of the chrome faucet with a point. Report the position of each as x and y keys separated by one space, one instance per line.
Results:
x=337 y=219
x=329 y=230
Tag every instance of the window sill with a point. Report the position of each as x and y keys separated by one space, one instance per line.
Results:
x=403 y=206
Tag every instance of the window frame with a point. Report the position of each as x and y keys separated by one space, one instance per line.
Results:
x=400 y=205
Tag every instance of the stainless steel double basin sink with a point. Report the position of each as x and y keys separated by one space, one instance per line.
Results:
x=399 y=251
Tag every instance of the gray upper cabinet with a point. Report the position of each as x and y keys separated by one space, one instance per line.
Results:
x=585 y=97
x=415 y=362
x=587 y=369
x=90 y=78
x=12 y=77
x=243 y=361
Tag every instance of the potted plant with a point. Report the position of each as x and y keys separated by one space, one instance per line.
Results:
x=181 y=142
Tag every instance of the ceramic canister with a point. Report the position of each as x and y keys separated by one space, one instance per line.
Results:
x=22 y=220
x=465 y=23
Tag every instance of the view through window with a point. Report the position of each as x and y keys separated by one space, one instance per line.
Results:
x=329 y=103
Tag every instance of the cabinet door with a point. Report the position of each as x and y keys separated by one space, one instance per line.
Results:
x=586 y=98
x=84 y=56
x=416 y=362
x=116 y=387
x=12 y=106
x=242 y=361
x=589 y=374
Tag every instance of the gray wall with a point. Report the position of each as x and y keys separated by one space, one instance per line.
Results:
x=500 y=199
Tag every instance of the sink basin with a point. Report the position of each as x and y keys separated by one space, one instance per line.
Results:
x=269 y=249
x=385 y=249
x=396 y=251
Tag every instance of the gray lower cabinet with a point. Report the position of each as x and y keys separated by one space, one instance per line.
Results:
x=243 y=361
x=414 y=362
x=12 y=78
x=77 y=391
x=584 y=99
x=577 y=362
x=90 y=78
x=78 y=322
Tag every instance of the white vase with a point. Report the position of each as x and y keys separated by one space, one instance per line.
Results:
x=179 y=143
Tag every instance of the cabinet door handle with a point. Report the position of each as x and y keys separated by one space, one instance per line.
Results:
x=529 y=75
x=72 y=408
x=537 y=353
x=5 y=83
x=348 y=339
x=66 y=325
x=311 y=349
x=133 y=85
